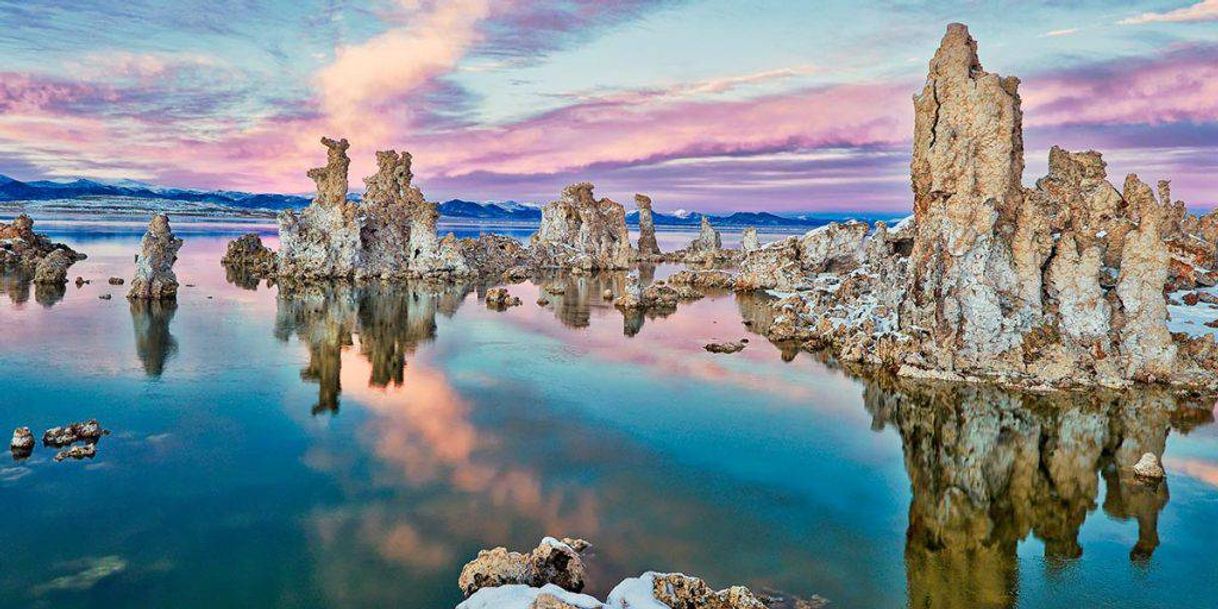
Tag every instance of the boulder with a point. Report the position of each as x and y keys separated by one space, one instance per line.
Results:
x=52 y=269
x=707 y=241
x=154 y=278
x=1148 y=468
x=88 y=431
x=22 y=443
x=551 y=562
x=24 y=250
x=248 y=255
x=500 y=299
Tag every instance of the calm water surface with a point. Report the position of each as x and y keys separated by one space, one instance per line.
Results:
x=354 y=447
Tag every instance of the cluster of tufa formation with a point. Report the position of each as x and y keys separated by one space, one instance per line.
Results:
x=580 y=231
x=647 y=228
x=1057 y=285
x=553 y=574
x=65 y=437
x=154 y=278
x=24 y=251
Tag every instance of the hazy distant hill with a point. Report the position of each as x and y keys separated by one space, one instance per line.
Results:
x=115 y=195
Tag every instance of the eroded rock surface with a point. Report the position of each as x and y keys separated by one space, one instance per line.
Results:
x=647 y=227
x=323 y=240
x=499 y=299
x=23 y=250
x=89 y=431
x=154 y=278
x=247 y=255
x=551 y=562
x=581 y=231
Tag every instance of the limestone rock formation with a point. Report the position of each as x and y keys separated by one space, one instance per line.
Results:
x=86 y=431
x=495 y=255
x=247 y=253
x=966 y=293
x=499 y=299
x=323 y=240
x=52 y=269
x=154 y=278
x=647 y=227
x=789 y=263
x=551 y=562
x=22 y=444
x=22 y=249
x=683 y=591
x=707 y=241
x=748 y=240
x=580 y=231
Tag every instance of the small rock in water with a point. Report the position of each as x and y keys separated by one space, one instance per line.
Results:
x=84 y=451
x=556 y=289
x=22 y=444
x=724 y=347
x=499 y=299
x=1148 y=468
x=543 y=301
x=551 y=562
x=1191 y=298
x=607 y=294
x=81 y=281
x=74 y=432
x=116 y=281
x=105 y=297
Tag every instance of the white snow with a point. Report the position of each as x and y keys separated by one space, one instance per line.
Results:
x=635 y=593
x=519 y=596
x=1191 y=320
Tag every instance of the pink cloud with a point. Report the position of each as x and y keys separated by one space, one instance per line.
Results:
x=1207 y=10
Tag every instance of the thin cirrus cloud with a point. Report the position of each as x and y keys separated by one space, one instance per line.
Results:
x=1207 y=10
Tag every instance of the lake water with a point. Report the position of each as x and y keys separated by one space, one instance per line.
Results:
x=354 y=447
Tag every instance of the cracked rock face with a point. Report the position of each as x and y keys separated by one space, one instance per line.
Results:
x=965 y=290
x=580 y=231
x=323 y=240
x=154 y=278
x=748 y=240
x=52 y=269
x=647 y=227
x=247 y=254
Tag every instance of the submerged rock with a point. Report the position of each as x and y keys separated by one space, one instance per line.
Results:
x=154 y=278
x=551 y=562
x=725 y=347
x=647 y=228
x=581 y=231
x=89 y=431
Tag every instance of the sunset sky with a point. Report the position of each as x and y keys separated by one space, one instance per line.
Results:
x=711 y=105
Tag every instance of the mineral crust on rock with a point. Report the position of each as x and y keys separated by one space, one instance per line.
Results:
x=708 y=239
x=83 y=451
x=647 y=228
x=499 y=299
x=580 y=231
x=748 y=240
x=52 y=269
x=88 y=431
x=248 y=255
x=154 y=278
x=23 y=250
x=22 y=443
x=323 y=240
x=551 y=562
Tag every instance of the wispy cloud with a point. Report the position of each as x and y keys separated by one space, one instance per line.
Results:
x=1057 y=33
x=1206 y=10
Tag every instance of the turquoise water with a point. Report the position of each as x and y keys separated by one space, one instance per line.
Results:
x=354 y=447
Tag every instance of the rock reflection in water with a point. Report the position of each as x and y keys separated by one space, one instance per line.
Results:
x=989 y=467
x=154 y=344
x=390 y=320
x=17 y=286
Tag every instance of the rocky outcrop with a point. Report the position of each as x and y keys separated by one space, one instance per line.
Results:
x=323 y=240
x=647 y=227
x=248 y=256
x=551 y=562
x=22 y=444
x=23 y=250
x=1054 y=286
x=500 y=299
x=748 y=240
x=707 y=241
x=580 y=231
x=154 y=278
x=85 y=431
x=495 y=255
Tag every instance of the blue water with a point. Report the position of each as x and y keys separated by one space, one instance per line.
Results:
x=350 y=447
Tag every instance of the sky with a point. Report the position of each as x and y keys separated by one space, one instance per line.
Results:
x=710 y=105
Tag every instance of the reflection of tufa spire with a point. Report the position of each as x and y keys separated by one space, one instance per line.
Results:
x=390 y=321
x=988 y=467
x=154 y=344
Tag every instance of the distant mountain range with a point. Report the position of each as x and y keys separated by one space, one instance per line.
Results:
x=90 y=192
